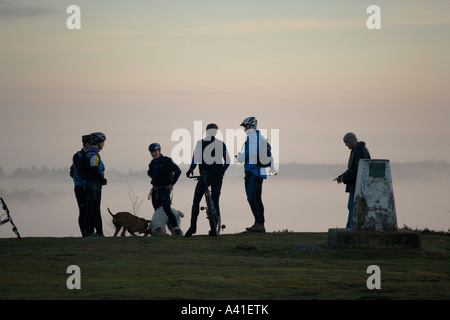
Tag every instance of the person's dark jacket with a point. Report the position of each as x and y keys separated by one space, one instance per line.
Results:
x=163 y=171
x=349 y=177
x=212 y=165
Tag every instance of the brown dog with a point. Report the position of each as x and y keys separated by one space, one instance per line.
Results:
x=130 y=223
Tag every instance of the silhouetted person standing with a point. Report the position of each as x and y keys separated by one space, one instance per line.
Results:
x=95 y=179
x=255 y=174
x=213 y=160
x=164 y=174
x=80 y=183
x=358 y=152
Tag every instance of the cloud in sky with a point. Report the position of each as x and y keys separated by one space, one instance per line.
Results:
x=11 y=10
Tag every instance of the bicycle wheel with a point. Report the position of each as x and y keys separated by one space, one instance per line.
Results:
x=216 y=221
x=213 y=216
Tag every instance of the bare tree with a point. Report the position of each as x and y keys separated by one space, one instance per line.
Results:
x=136 y=201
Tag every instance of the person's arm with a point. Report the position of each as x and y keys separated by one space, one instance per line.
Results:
x=176 y=171
x=242 y=157
x=350 y=175
x=196 y=157
x=94 y=168
x=226 y=158
x=149 y=171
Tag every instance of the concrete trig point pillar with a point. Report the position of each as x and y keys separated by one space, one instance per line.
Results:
x=374 y=218
x=374 y=204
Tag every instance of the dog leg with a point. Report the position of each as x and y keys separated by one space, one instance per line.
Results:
x=117 y=231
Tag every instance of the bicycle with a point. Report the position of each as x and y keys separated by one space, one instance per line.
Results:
x=211 y=212
x=9 y=219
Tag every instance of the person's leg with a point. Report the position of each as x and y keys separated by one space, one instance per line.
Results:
x=98 y=214
x=195 y=211
x=252 y=188
x=156 y=200
x=258 y=200
x=351 y=198
x=249 y=191
x=90 y=190
x=216 y=189
x=80 y=195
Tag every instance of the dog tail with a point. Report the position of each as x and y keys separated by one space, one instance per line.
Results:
x=110 y=213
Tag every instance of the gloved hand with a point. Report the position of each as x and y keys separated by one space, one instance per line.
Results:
x=240 y=157
x=189 y=173
x=104 y=182
x=273 y=171
x=338 y=179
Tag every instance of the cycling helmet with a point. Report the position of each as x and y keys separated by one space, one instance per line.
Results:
x=154 y=146
x=250 y=121
x=97 y=137
x=86 y=138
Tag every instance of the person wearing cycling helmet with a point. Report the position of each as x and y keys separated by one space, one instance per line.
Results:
x=80 y=182
x=213 y=160
x=164 y=174
x=95 y=179
x=254 y=175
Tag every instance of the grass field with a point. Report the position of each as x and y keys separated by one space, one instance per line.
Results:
x=271 y=266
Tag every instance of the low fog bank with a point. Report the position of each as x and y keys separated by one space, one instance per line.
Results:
x=300 y=198
x=407 y=171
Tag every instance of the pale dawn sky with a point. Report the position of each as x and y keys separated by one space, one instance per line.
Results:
x=139 y=70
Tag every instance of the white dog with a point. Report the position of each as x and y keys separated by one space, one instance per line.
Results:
x=160 y=220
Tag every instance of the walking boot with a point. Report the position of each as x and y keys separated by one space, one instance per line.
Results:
x=260 y=228
x=192 y=230
x=257 y=227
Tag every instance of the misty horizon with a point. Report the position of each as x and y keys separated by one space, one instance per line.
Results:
x=301 y=198
x=420 y=170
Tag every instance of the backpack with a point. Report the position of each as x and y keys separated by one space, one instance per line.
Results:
x=264 y=163
x=80 y=166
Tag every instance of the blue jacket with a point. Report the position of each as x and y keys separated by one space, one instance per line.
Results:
x=96 y=166
x=250 y=154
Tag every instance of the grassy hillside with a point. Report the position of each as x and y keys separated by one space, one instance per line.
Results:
x=281 y=266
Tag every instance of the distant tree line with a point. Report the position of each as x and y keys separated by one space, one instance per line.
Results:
x=405 y=171
x=59 y=173
x=35 y=172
